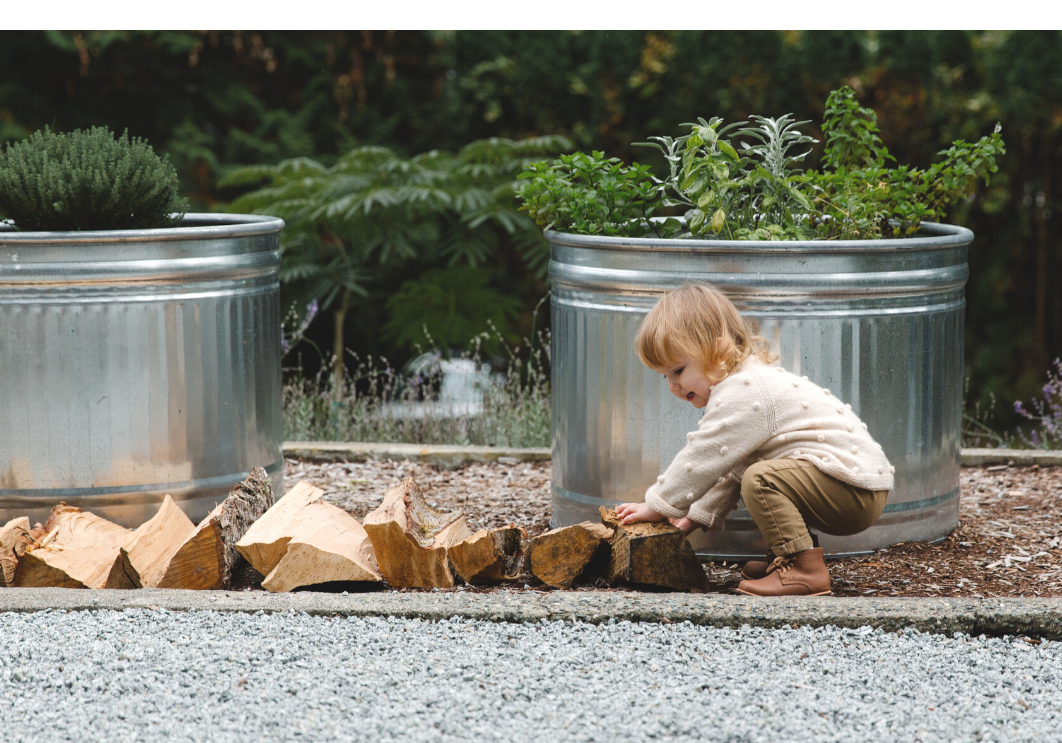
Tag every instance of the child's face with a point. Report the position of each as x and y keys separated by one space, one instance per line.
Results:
x=689 y=382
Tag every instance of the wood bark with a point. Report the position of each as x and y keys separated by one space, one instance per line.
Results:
x=267 y=539
x=15 y=536
x=206 y=559
x=411 y=539
x=326 y=545
x=560 y=557
x=78 y=550
x=652 y=553
x=490 y=555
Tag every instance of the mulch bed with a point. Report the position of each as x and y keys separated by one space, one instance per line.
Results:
x=1009 y=542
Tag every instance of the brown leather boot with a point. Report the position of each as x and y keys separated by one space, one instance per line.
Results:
x=756 y=569
x=800 y=574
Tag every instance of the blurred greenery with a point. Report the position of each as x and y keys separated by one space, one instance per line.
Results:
x=215 y=101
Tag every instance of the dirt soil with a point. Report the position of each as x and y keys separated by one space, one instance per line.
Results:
x=1009 y=541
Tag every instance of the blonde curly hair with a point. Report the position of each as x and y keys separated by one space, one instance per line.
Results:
x=698 y=322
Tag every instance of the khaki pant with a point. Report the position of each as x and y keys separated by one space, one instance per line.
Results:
x=787 y=496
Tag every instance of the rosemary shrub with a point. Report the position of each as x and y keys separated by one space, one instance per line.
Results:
x=87 y=180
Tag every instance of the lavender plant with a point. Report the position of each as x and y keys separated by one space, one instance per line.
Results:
x=1046 y=414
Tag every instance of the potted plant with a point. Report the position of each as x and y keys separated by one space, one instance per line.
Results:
x=843 y=270
x=139 y=345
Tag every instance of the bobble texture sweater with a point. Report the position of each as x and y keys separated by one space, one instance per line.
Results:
x=764 y=412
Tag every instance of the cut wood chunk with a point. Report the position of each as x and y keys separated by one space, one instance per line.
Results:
x=266 y=541
x=206 y=559
x=652 y=553
x=410 y=538
x=153 y=545
x=490 y=555
x=562 y=556
x=79 y=550
x=327 y=544
x=14 y=532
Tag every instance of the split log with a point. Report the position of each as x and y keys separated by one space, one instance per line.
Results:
x=79 y=550
x=652 y=553
x=490 y=556
x=206 y=559
x=326 y=545
x=151 y=548
x=560 y=557
x=410 y=538
x=266 y=541
x=15 y=536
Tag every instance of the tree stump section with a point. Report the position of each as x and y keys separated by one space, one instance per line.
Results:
x=79 y=550
x=266 y=541
x=490 y=556
x=411 y=539
x=652 y=553
x=149 y=550
x=560 y=557
x=206 y=559
x=15 y=536
x=327 y=545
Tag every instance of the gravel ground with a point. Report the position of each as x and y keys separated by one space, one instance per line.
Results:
x=160 y=676
x=1009 y=542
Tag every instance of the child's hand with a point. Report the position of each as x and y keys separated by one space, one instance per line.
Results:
x=630 y=513
x=685 y=525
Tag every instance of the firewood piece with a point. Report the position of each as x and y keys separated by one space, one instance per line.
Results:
x=79 y=550
x=652 y=553
x=266 y=541
x=13 y=533
x=490 y=556
x=327 y=544
x=560 y=557
x=150 y=549
x=206 y=559
x=410 y=538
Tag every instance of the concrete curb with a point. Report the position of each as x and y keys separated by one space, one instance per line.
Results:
x=1015 y=457
x=447 y=457
x=452 y=457
x=1037 y=617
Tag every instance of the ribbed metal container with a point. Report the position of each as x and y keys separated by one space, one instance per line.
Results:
x=878 y=322
x=138 y=363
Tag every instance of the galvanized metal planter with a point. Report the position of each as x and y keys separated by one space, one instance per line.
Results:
x=138 y=363
x=878 y=322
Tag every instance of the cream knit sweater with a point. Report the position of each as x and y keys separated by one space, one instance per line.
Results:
x=764 y=412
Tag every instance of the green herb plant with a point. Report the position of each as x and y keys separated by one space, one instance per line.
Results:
x=858 y=197
x=594 y=195
x=757 y=189
x=87 y=180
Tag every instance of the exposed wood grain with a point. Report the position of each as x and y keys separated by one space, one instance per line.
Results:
x=490 y=555
x=327 y=545
x=410 y=538
x=207 y=558
x=561 y=557
x=80 y=550
x=267 y=539
x=652 y=553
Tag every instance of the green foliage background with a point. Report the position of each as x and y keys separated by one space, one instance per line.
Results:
x=214 y=100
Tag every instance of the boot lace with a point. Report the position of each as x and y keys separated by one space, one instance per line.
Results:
x=781 y=564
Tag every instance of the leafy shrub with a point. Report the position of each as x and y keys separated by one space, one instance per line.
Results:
x=756 y=190
x=87 y=180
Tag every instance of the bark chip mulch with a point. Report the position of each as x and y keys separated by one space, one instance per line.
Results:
x=1008 y=543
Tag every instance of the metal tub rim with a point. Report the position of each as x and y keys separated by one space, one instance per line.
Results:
x=931 y=236
x=196 y=226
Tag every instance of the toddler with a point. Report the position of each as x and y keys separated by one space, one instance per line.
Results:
x=798 y=456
